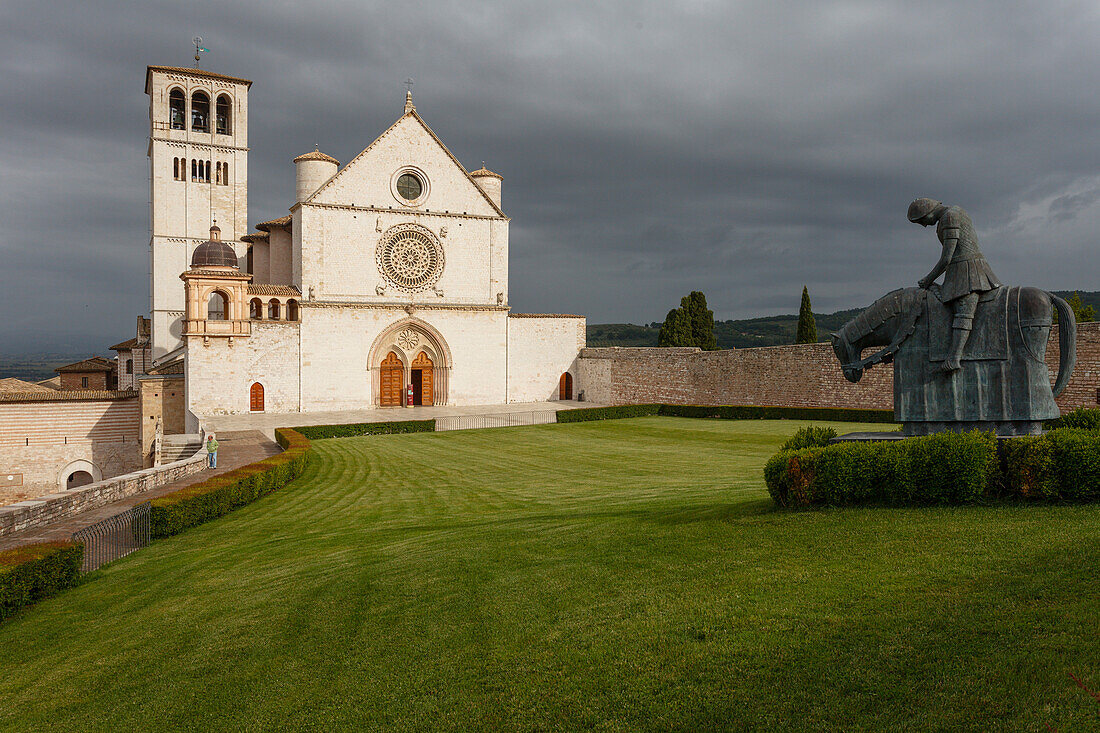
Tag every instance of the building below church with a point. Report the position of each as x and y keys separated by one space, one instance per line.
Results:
x=386 y=283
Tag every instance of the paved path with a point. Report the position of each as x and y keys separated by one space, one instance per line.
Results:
x=235 y=449
x=268 y=421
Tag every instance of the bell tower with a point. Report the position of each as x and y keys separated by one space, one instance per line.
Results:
x=198 y=160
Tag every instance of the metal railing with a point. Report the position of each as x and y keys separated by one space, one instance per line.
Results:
x=114 y=537
x=502 y=420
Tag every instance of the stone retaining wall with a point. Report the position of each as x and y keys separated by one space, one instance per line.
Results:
x=63 y=504
x=803 y=375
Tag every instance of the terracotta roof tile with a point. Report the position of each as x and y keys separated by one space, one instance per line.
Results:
x=282 y=221
x=257 y=237
x=192 y=72
x=126 y=345
x=483 y=171
x=317 y=155
x=94 y=364
x=289 y=291
x=72 y=395
x=10 y=385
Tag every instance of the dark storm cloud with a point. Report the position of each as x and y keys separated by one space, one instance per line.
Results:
x=739 y=148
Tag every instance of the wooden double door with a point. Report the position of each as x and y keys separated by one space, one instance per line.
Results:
x=392 y=384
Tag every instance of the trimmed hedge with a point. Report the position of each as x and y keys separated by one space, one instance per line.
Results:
x=727 y=412
x=219 y=495
x=810 y=436
x=33 y=573
x=586 y=414
x=946 y=468
x=1062 y=464
x=318 y=432
x=1082 y=418
x=770 y=412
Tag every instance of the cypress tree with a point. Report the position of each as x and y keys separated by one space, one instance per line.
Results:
x=807 y=326
x=700 y=320
x=676 y=330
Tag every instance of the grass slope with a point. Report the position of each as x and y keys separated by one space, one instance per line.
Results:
x=622 y=575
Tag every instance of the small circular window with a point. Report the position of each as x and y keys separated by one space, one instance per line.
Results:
x=409 y=187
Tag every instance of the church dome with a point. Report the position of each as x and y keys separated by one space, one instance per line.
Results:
x=214 y=252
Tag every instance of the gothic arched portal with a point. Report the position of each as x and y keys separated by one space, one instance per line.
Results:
x=409 y=353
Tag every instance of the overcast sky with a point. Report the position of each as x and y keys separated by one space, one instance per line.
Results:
x=648 y=149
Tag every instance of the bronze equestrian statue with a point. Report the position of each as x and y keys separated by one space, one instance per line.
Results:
x=969 y=354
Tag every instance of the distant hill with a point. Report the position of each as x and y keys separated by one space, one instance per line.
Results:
x=36 y=367
x=764 y=331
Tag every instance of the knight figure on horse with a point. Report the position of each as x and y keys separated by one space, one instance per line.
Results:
x=970 y=353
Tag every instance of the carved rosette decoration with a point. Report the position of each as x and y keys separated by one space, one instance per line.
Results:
x=410 y=258
x=408 y=339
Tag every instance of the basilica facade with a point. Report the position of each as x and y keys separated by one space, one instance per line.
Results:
x=386 y=283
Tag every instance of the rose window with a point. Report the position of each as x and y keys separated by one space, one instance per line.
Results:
x=408 y=339
x=410 y=258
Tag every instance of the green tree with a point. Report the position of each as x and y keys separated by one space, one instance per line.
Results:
x=676 y=330
x=700 y=320
x=1083 y=313
x=807 y=326
x=692 y=324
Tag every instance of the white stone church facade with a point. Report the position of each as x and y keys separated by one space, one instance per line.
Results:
x=388 y=277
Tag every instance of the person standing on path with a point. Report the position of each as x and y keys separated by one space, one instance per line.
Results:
x=212 y=450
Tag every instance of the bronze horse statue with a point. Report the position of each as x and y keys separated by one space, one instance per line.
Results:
x=1003 y=385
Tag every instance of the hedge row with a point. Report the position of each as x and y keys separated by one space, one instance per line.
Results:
x=33 y=573
x=586 y=414
x=727 y=412
x=219 y=495
x=318 y=432
x=770 y=412
x=1062 y=464
x=946 y=468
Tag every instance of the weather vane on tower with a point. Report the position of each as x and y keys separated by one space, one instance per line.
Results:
x=197 y=40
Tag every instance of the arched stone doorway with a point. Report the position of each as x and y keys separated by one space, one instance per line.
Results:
x=79 y=473
x=409 y=352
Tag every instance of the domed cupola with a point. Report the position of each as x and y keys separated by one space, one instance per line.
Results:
x=214 y=252
x=216 y=292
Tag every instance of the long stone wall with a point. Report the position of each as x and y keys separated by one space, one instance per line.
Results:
x=804 y=375
x=66 y=503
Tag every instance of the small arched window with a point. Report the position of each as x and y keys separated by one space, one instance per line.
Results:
x=255 y=307
x=218 y=173
x=273 y=309
x=208 y=171
x=223 y=116
x=217 y=308
x=177 y=104
x=129 y=366
x=292 y=310
x=194 y=170
x=200 y=112
x=225 y=174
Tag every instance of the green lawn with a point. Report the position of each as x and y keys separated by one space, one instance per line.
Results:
x=619 y=575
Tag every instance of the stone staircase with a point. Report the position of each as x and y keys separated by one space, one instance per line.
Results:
x=178 y=447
